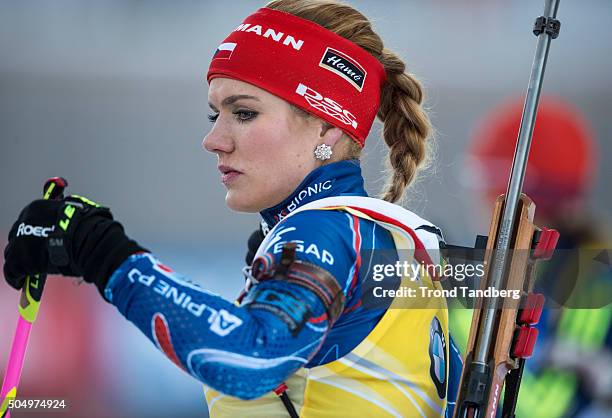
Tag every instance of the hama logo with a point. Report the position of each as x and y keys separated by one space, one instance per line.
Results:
x=344 y=66
x=326 y=105
x=224 y=51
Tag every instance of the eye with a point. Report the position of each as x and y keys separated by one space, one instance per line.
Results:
x=212 y=117
x=244 y=115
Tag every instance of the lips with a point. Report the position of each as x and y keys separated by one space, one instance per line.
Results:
x=228 y=174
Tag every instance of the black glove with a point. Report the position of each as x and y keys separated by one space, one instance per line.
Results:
x=253 y=244
x=26 y=251
x=74 y=237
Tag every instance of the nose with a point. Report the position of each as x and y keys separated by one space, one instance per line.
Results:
x=218 y=140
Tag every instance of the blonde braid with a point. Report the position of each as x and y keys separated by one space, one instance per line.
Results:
x=406 y=125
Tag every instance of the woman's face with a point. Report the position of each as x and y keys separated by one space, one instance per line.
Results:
x=264 y=148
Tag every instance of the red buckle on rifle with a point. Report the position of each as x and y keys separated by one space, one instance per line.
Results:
x=531 y=311
x=546 y=243
x=524 y=342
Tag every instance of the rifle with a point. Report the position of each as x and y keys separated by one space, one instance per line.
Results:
x=502 y=337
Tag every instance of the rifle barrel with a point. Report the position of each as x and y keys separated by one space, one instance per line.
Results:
x=500 y=257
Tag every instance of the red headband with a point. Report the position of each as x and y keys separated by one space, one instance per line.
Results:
x=306 y=65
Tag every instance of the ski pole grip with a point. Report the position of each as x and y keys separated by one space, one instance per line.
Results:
x=31 y=293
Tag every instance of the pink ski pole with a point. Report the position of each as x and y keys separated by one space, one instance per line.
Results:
x=28 y=309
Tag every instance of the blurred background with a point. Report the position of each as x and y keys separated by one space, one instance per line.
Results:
x=112 y=96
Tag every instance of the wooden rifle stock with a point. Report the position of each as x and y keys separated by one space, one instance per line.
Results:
x=514 y=336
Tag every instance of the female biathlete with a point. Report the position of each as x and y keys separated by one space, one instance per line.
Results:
x=294 y=90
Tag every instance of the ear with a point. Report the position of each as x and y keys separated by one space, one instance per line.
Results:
x=330 y=134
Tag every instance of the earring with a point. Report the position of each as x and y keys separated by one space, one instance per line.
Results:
x=323 y=152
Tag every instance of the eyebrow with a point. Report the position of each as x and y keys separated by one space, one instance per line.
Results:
x=233 y=99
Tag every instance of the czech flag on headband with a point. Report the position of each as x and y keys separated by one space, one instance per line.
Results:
x=224 y=51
